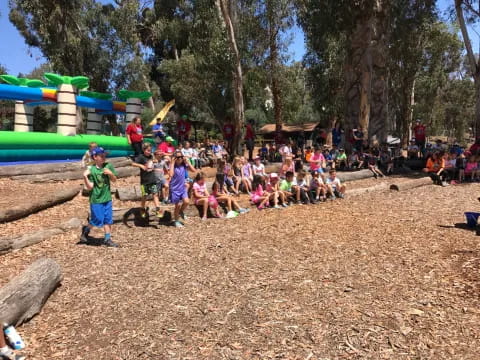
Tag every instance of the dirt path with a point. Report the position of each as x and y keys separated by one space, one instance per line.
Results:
x=379 y=276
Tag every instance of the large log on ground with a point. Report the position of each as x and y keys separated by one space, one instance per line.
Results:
x=24 y=296
x=13 y=243
x=29 y=207
x=36 y=169
x=377 y=187
x=410 y=184
x=130 y=193
x=354 y=175
x=124 y=171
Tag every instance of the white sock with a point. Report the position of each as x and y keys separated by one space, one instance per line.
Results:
x=5 y=350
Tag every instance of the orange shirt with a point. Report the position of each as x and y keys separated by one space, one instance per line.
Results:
x=308 y=155
x=434 y=166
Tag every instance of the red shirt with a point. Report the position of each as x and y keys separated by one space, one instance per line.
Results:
x=419 y=131
x=135 y=132
x=167 y=148
x=183 y=127
x=249 y=134
x=228 y=131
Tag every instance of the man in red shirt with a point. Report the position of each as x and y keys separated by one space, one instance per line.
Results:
x=250 y=139
x=183 y=128
x=420 y=136
x=166 y=147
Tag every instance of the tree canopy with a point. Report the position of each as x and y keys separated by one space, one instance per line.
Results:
x=376 y=64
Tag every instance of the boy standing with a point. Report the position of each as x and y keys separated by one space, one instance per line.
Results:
x=148 y=182
x=97 y=178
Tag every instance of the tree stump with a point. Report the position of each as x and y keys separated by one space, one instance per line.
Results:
x=24 y=296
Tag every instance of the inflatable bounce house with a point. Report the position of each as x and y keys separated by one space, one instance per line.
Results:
x=23 y=144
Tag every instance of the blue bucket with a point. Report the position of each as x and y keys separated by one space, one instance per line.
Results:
x=472 y=218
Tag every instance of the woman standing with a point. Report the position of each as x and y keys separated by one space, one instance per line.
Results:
x=135 y=135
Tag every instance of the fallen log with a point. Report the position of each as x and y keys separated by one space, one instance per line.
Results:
x=24 y=209
x=124 y=171
x=410 y=184
x=24 y=296
x=354 y=175
x=130 y=193
x=10 y=244
x=36 y=169
x=377 y=187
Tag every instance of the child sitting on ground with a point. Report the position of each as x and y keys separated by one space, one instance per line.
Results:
x=334 y=186
x=97 y=178
x=341 y=160
x=471 y=167
x=460 y=165
x=258 y=196
x=317 y=187
x=247 y=175
x=372 y=160
x=148 y=183
x=222 y=197
x=303 y=185
x=203 y=198
x=289 y=188
x=273 y=188
x=87 y=159
x=258 y=168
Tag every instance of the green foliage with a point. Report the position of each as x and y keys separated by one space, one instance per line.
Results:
x=80 y=82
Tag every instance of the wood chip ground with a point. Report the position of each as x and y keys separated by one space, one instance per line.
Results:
x=384 y=275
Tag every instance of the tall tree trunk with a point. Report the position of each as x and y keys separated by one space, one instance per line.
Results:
x=474 y=65
x=238 y=111
x=274 y=66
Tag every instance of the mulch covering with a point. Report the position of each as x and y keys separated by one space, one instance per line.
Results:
x=378 y=276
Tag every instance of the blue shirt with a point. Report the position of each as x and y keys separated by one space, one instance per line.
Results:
x=158 y=127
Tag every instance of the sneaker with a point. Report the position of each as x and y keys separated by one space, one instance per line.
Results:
x=159 y=214
x=84 y=235
x=183 y=216
x=277 y=207
x=333 y=197
x=144 y=213
x=340 y=196
x=204 y=218
x=444 y=183
x=178 y=224
x=231 y=214
x=285 y=205
x=10 y=355
x=243 y=210
x=110 y=243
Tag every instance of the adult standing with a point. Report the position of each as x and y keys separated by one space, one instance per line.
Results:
x=250 y=139
x=420 y=135
x=358 y=138
x=135 y=135
x=183 y=128
x=337 y=134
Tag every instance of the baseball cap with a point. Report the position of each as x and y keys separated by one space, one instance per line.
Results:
x=412 y=140
x=418 y=120
x=169 y=139
x=273 y=175
x=98 y=151
x=184 y=117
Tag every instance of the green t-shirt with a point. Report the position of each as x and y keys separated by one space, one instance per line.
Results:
x=285 y=185
x=101 y=184
x=342 y=156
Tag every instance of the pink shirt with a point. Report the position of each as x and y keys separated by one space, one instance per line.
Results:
x=314 y=165
x=200 y=189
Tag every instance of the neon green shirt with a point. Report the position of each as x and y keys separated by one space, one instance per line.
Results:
x=101 y=184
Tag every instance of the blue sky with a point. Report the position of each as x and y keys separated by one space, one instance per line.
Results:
x=17 y=57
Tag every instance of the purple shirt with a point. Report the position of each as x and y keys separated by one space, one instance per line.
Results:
x=177 y=182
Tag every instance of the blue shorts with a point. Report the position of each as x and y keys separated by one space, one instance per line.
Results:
x=101 y=214
x=176 y=197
